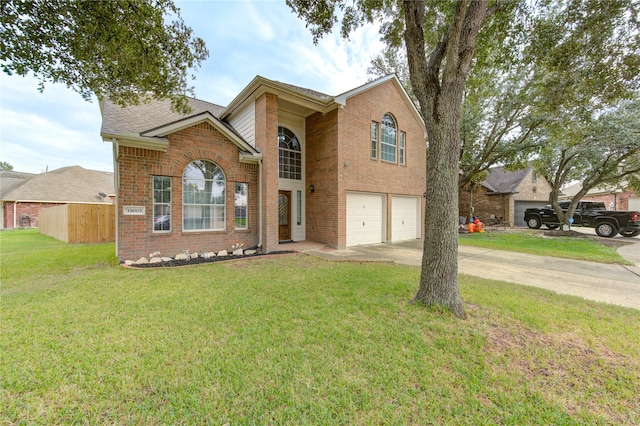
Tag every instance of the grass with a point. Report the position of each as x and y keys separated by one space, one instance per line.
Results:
x=534 y=242
x=296 y=340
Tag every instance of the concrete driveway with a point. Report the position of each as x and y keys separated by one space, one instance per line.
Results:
x=614 y=284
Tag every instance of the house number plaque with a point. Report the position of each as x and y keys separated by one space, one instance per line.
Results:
x=133 y=210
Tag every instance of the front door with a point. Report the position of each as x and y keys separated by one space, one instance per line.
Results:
x=284 y=215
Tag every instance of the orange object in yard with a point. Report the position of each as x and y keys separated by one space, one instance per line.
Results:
x=476 y=226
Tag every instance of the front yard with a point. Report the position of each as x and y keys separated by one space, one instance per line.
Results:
x=296 y=340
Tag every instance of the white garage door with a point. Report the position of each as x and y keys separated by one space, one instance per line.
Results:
x=405 y=213
x=634 y=203
x=365 y=218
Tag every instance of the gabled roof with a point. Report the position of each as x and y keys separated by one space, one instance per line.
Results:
x=72 y=184
x=312 y=100
x=147 y=125
x=139 y=118
x=10 y=180
x=502 y=181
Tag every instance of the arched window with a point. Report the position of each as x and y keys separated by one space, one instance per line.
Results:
x=203 y=196
x=289 y=156
x=388 y=139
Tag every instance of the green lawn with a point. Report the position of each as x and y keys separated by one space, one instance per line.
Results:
x=535 y=242
x=296 y=340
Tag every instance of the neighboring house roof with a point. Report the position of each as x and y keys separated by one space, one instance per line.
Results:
x=571 y=190
x=10 y=180
x=72 y=184
x=502 y=181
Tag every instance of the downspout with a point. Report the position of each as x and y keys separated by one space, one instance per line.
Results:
x=116 y=183
x=260 y=203
x=15 y=211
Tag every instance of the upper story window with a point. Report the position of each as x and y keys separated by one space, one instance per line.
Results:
x=374 y=139
x=289 y=155
x=161 y=203
x=388 y=139
x=203 y=196
x=403 y=148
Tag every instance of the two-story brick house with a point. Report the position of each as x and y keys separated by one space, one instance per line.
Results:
x=279 y=163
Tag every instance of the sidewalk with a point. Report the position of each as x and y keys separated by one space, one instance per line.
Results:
x=616 y=284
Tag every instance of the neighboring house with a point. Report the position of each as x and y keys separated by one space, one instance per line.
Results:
x=621 y=197
x=504 y=195
x=279 y=163
x=23 y=194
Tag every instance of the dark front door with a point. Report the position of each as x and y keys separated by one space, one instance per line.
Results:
x=284 y=215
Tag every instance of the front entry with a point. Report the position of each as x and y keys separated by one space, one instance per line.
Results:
x=284 y=215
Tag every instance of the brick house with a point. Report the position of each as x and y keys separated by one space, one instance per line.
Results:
x=504 y=195
x=22 y=195
x=279 y=163
x=621 y=197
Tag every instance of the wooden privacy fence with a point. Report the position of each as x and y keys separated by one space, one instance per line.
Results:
x=79 y=223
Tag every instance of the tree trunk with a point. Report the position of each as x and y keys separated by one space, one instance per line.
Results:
x=438 y=84
x=439 y=275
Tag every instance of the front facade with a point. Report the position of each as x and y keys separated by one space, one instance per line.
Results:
x=279 y=163
x=504 y=195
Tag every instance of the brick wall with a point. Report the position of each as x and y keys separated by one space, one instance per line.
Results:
x=618 y=201
x=266 y=134
x=29 y=209
x=358 y=172
x=321 y=159
x=137 y=166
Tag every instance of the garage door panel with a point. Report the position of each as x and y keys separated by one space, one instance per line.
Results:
x=519 y=208
x=365 y=222
x=404 y=218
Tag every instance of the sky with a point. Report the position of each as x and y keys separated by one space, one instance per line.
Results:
x=57 y=128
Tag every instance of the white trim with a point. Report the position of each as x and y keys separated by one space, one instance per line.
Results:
x=260 y=85
x=136 y=141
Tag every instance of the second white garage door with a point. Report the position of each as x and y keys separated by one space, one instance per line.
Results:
x=365 y=218
x=405 y=213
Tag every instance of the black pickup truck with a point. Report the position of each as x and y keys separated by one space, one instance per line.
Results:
x=608 y=223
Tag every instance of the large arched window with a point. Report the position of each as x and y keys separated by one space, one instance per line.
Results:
x=388 y=139
x=289 y=155
x=203 y=196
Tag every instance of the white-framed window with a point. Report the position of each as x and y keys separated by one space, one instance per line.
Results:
x=403 y=148
x=203 y=197
x=289 y=155
x=388 y=139
x=374 y=139
x=241 y=218
x=161 y=203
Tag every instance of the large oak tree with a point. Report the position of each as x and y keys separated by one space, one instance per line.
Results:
x=526 y=59
x=438 y=74
x=128 y=50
